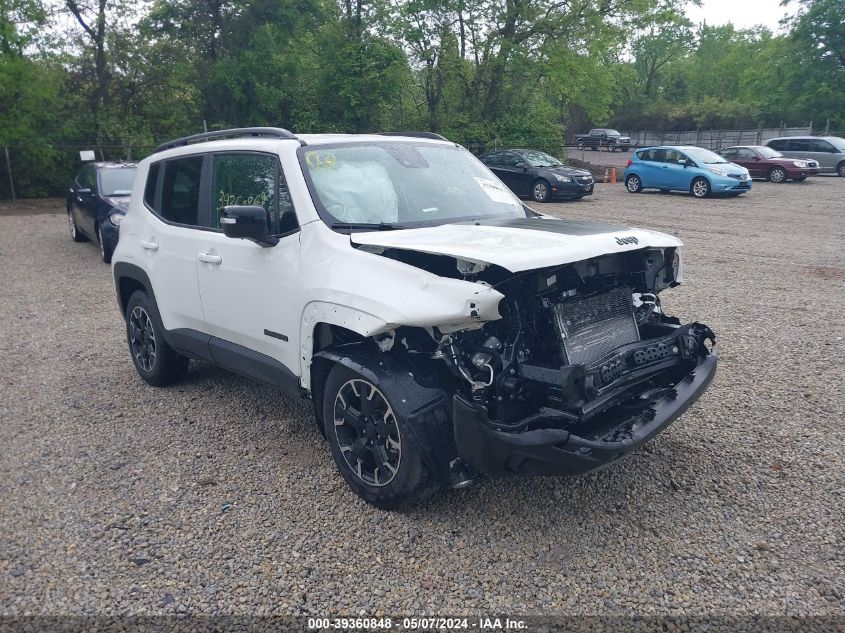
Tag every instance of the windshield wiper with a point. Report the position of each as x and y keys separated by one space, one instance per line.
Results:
x=373 y=226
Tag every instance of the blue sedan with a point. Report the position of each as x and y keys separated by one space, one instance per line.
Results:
x=693 y=169
x=97 y=200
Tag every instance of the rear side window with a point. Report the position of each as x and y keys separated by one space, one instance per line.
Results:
x=152 y=186
x=180 y=191
x=778 y=145
x=730 y=153
x=252 y=179
x=654 y=155
x=799 y=145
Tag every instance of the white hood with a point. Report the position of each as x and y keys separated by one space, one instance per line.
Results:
x=520 y=243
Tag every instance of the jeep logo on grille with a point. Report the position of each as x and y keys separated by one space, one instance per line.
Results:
x=627 y=240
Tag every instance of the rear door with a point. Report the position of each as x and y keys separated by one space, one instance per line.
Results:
x=168 y=240
x=249 y=292
x=651 y=168
x=86 y=203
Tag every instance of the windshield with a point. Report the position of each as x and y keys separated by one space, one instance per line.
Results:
x=392 y=185
x=705 y=156
x=540 y=159
x=612 y=133
x=768 y=152
x=116 y=181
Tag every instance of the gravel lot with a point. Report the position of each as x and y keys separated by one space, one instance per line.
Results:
x=218 y=496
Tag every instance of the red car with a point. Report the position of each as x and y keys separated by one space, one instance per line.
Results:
x=764 y=162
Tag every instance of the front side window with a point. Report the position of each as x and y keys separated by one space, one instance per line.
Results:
x=88 y=178
x=252 y=180
x=769 y=152
x=778 y=145
x=819 y=145
x=390 y=184
x=116 y=181
x=730 y=153
x=180 y=192
x=673 y=156
x=745 y=154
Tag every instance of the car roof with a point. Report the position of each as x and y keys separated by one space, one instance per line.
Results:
x=683 y=147
x=112 y=165
x=334 y=139
x=804 y=138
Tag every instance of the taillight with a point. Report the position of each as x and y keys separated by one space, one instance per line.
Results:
x=630 y=162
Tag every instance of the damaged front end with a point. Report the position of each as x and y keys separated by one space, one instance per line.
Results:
x=583 y=366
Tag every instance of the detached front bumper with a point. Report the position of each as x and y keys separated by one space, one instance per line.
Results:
x=555 y=451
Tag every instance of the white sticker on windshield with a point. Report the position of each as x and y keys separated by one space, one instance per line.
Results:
x=497 y=192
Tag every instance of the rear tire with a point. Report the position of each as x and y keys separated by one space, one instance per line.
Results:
x=777 y=175
x=700 y=188
x=374 y=449
x=633 y=184
x=156 y=362
x=581 y=145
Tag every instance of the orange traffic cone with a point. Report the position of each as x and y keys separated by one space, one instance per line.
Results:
x=613 y=175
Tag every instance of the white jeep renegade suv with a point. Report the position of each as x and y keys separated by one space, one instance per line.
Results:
x=440 y=327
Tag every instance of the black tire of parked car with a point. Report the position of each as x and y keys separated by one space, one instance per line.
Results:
x=540 y=190
x=777 y=174
x=633 y=184
x=105 y=249
x=840 y=169
x=374 y=433
x=581 y=145
x=700 y=188
x=75 y=234
x=156 y=362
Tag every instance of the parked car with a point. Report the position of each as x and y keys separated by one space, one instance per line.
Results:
x=535 y=174
x=693 y=169
x=829 y=151
x=603 y=137
x=440 y=327
x=97 y=200
x=764 y=162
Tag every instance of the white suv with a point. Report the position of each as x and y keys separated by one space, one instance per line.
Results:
x=440 y=327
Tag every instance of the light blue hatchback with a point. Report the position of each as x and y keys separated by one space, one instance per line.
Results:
x=693 y=169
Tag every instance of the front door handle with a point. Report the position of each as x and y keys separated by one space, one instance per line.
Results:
x=210 y=259
x=150 y=246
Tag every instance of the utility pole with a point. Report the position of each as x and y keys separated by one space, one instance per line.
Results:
x=9 y=171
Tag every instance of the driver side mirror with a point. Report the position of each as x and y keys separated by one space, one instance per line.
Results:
x=522 y=165
x=248 y=223
x=684 y=162
x=84 y=192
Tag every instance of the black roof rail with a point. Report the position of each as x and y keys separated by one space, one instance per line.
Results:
x=431 y=135
x=269 y=132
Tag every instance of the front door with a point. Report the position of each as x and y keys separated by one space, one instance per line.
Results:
x=249 y=291
x=749 y=159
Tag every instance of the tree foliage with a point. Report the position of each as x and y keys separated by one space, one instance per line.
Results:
x=121 y=76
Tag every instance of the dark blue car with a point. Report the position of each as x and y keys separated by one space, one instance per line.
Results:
x=97 y=200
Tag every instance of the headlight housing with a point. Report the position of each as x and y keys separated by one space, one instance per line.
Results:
x=563 y=178
x=799 y=163
x=717 y=171
x=115 y=218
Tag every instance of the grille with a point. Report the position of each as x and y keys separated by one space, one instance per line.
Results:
x=585 y=180
x=595 y=326
x=737 y=176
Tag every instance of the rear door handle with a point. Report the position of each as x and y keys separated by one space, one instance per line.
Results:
x=150 y=246
x=210 y=259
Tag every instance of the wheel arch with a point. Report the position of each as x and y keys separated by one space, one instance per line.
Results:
x=127 y=279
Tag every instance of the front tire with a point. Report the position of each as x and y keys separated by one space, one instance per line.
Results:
x=75 y=233
x=105 y=250
x=581 y=145
x=700 y=188
x=840 y=169
x=777 y=175
x=374 y=449
x=156 y=362
x=540 y=191
x=633 y=184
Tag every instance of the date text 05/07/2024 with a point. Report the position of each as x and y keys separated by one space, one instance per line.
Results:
x=418 y=624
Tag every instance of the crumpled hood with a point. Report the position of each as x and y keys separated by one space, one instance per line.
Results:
x=518 y=244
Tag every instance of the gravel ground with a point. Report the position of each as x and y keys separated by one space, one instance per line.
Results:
x=218 y=496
